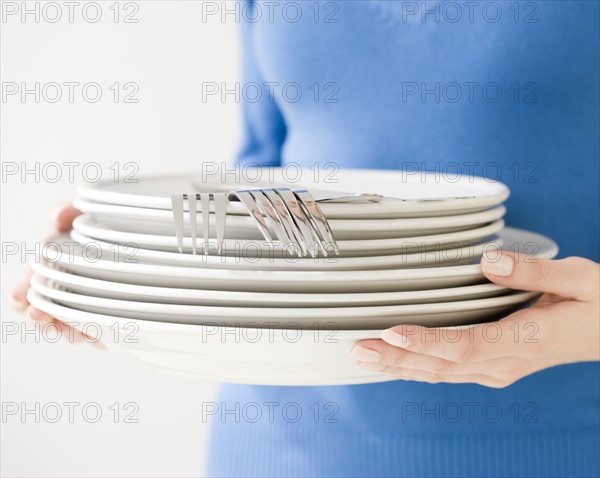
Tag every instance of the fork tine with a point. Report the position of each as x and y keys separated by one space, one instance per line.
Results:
x=205 y=205
x=302 y=222
x=315 y=214
x=177 y=205
x=220 y=201
x=191 y=197
x=318 y=241
x=255 y=213
x=276 y=220
x=287 y=220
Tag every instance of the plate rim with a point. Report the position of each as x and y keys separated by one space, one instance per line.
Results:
x=99 y=190
x=59 y=276
x=38 y=282
x=82 y=224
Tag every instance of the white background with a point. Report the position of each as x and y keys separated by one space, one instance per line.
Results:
x=168 y=54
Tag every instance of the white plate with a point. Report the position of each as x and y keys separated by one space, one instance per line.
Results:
x=257 y=356
x=75 y=258
x=160 y=222
x=96 y=229
x=445 y=256
x=155 y=191
x=355 y=318
x=245 y=355
x=166 y=295
x=70 y=257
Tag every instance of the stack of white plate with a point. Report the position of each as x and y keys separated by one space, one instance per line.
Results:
x=255 y=314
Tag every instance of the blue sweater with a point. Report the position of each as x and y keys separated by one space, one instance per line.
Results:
x=505 y=90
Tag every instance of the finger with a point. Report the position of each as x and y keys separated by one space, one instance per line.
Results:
x=75 y=336
x=422 y=376
x=573 y=277
x=63 y=217
x=68 y=333
x=381 y=353
x=39 y=316
x=467 y=344
x=549 y=299
x=18 y=295
x=93 y=341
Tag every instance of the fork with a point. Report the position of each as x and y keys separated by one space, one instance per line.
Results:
x=220 y=206
x=260 y=204
x=275 y=215
x=318 y=221
x=296 y=217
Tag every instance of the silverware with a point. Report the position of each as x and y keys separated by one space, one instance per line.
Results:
x=448 y=198
x=220 y=200
x=283 y=214
x=177 y=205
x=302 y=221
x=220 y=207
x=293 y=215
x=275 y=214
x=248 y=201
x=320 y=195
x=318 y=221
x=371 y=197
x=350 y=198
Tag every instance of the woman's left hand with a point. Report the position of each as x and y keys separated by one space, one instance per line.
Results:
x=562 y=327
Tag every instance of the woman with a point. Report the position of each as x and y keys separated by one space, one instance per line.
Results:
x=506 y=90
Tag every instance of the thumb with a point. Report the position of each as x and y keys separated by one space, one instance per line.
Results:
x=567 y=278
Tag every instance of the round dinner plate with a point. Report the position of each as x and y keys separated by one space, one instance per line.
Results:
x=160 y=222
x=240 y=355
x=115 y=290
x=95 y=228
x=445 y=256
x=479 y=193
x=356 y=318
x=75 y=259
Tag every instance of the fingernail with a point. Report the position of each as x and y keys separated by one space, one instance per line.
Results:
x=395 y=339
x=373 y=367
x=365 y=355
x=501 y=266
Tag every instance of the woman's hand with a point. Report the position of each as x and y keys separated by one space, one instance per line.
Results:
x=63 y=221
x=562 y=327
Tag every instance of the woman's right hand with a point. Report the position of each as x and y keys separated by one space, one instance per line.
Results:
x=63 y=221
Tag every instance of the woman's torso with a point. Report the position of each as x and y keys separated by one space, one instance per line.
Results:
x=383 y=86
